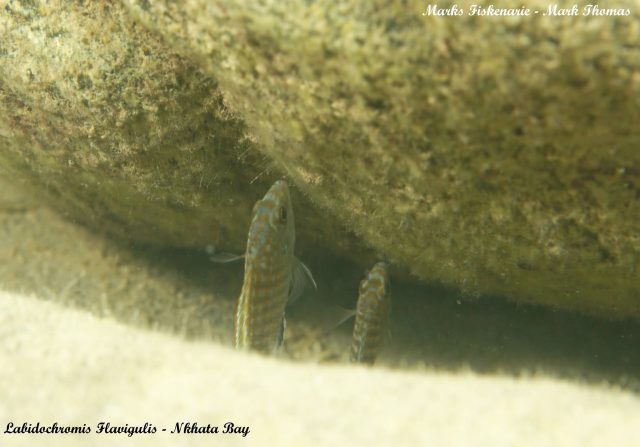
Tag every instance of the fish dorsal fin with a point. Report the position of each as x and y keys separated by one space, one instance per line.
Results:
x=223 y=257
x=301 y=279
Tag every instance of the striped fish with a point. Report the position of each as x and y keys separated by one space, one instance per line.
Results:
x=372 y=315
x=272 y=275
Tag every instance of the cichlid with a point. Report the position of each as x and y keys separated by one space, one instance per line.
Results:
x=272 y=275
x=372 y=315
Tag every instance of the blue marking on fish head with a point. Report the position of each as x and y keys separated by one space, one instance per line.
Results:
x=272 y=230
x=377 y=279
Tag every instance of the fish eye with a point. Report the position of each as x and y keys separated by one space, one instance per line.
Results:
x=282 y=214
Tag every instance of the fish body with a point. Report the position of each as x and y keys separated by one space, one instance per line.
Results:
x=372 y=315
x=268 y=272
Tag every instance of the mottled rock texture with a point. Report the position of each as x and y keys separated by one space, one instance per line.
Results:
x=494 y=155
x=121 y=131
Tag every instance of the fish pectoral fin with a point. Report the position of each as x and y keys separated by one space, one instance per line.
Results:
x=349 y=313
x=307 y=273
x=301 y=279
x=280 y=334
x=223 y=257
x=342 y=315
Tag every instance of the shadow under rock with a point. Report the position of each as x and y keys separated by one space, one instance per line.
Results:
x=491 y=335
x=433 y=326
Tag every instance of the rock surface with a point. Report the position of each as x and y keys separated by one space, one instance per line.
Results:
x=494 y=155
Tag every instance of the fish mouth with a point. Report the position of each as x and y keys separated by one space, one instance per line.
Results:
x=266 y=225
x=277 y=205
x=279 y=192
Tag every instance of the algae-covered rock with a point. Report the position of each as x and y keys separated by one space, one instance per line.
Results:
x=493 y=154
x=121 y=131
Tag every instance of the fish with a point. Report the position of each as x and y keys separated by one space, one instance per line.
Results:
x=372 y=315
x=273 y=276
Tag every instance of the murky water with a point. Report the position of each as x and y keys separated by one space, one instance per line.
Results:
x=182 y=292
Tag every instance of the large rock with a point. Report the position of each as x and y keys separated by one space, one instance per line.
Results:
x=495 y=155
x=121 y=131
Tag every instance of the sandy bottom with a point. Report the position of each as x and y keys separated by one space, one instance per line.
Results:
x=92 y=331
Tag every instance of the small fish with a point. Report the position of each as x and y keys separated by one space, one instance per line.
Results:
x=272 y=275
x=372 y=315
